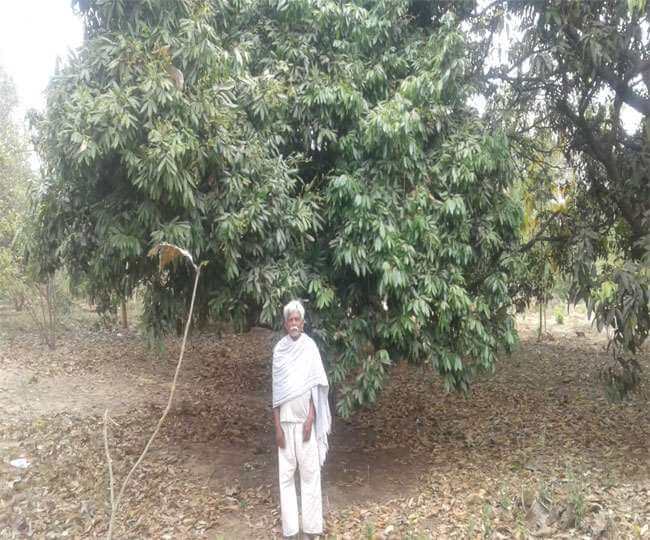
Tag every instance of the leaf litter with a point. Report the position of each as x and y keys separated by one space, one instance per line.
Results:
x=535 y=451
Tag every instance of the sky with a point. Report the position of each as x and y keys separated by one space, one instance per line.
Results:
x=33 y=33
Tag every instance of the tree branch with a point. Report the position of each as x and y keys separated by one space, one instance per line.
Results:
x=601 y=152
x=540 y=238
x=618 y=84
x=639 y=68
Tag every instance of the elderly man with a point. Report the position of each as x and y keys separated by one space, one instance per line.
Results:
x=302 y=422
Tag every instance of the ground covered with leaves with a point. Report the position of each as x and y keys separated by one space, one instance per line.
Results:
x=536 y=450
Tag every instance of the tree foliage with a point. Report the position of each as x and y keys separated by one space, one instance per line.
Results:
x=16 y=180
x=415 y=186
x=540 y=188
x=145 y=142
x=576 y=69
x=313 y=148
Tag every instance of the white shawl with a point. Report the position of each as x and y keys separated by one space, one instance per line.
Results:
x=297 y=369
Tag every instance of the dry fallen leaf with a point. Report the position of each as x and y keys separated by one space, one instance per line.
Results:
x=383 y=474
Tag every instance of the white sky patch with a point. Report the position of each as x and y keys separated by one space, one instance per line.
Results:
x=33 y=33
x=630 y=119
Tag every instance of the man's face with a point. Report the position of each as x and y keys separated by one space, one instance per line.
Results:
x=294 y=325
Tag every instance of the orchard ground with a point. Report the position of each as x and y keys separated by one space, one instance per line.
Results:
x=537 y=448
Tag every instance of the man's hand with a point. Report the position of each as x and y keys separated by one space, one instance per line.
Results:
x=279 y=438
x=279 y=434
x=306 y=429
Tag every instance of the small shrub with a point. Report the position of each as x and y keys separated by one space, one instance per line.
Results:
x=504 y=498
x=577 y=497
x=486 y=522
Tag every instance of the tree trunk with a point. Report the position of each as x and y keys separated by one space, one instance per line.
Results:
x=51 y=312
x=19 y=302
x=42 y=292
x=125 y=320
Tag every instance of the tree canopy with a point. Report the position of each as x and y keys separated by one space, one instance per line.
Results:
x=317 y=149
x=330 y=151
x=573 y=70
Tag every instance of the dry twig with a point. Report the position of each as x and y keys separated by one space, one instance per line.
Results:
x=167 y=253
x=109 y=461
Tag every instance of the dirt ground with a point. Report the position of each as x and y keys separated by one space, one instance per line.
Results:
x=536 y=450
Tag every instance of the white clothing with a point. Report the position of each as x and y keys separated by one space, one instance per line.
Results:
x=303 y=456
x=296 y=410
x=298 y=376
x=297 y=369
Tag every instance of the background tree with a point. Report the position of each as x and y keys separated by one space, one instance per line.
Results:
x=574 y=68
x=15 y=182
x=541 y=188
x=21 y=280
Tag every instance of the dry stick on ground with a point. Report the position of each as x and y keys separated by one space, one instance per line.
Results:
x=109 y=461
x=115 y=504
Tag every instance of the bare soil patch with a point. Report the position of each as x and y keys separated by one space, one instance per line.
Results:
x=535 y=449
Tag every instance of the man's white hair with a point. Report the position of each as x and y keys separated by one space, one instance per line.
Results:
x=294 y=307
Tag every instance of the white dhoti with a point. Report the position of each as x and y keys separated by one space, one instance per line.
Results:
x=303 y=456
